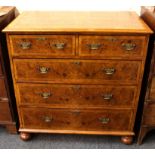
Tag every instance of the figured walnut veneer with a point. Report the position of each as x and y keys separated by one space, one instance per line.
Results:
x=81 y=73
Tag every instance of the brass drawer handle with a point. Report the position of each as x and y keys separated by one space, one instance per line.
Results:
x=129 y=46
x=48 y=119
x=43 y=70
x=46 y=95
x=107 y=96
x=109 y=71
x=104 y=120
x=25 y=45
x=94 y=46
x=59 y=46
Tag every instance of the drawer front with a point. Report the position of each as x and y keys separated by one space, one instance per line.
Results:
x=149 y=115
x=87 y=120
x=3 y=93
x=42 y=45
x=85 y=71
x=5 y=114
x=76 y=95
x=112 y=46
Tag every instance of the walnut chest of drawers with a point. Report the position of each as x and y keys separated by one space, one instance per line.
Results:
x=77 y=72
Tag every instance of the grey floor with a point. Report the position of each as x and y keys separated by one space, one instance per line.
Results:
x=56 y=141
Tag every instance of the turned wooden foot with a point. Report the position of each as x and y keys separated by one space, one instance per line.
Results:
x=25 y=136
x=127 y=140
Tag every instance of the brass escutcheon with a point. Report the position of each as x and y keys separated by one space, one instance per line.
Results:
x=94 y=46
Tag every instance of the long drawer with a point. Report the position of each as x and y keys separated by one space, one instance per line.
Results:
x=68 y=71
x=69 y=96
x=86 y=120
x=42 y=45
x=111 y=46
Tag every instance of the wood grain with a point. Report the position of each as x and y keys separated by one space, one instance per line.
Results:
x=37 y=21
x=110 y=46
x=43 y=45
x=77 y=96
x=77 y=71
x=86 y=120
x=74 y=82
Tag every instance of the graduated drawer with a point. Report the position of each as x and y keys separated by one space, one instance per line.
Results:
x=5 y=114
x=42 y=45
x=61 y=96
x=111 y=46
x=86 y=71
x=3 y=93
x=86 y=120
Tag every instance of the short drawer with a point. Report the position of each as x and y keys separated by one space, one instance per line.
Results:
x=5 y=114
x=68 y=96
x=42 y=45
x=85 y=120
x=111 y=46
x=3 y=92
x=86 y=71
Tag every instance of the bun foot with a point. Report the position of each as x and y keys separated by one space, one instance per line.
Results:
x=25 y=136
x=127 y=140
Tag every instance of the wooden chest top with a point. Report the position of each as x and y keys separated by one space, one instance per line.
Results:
x=112 y=22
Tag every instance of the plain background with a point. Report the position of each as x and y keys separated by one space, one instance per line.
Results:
x=78 y=5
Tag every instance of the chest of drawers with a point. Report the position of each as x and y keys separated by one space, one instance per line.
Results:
x=7 y=101
x=148 y=117
x=77 y=72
